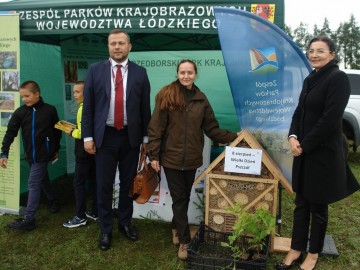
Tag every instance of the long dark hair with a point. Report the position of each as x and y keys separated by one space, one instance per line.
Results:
x=170 y=95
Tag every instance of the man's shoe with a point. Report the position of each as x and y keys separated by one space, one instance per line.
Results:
x=75 y=222
x=91 y=214
x=105 y=241
x=53 y=206
x=129 y=231
x=22 y=224
x=182 y=253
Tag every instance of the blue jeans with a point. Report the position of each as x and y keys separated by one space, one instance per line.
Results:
x=38 y=179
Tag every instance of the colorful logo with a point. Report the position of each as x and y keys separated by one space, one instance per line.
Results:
x=263 y=60
x=266 y=11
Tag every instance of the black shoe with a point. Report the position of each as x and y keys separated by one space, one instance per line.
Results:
x=22 y=224
x=53 y=206
x=283 y=266
x=105 y=241
x=129 y=231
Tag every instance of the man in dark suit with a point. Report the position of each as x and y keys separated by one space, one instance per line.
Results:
x=115 y=138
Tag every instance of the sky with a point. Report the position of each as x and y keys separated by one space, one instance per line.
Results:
x=314 y=12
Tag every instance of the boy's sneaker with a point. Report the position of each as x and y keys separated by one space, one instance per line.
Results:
x=53 y=206
x=75 y=222
x=22 y=224
x=91 y=214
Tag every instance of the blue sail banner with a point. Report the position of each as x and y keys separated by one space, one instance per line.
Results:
x=265 y=70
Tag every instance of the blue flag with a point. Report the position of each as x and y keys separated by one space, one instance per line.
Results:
x=265 y=70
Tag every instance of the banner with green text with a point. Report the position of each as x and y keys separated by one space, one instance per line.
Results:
x=51 y=17
x=9 y=101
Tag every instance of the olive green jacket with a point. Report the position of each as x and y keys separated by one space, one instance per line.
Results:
x=176 y=138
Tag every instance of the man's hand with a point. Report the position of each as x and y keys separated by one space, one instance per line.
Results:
x=89 y=147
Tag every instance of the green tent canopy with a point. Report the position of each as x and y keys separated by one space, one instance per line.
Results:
x=154 y=25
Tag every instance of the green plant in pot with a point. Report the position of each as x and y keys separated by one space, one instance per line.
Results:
x=263 y=223
x=249 y=232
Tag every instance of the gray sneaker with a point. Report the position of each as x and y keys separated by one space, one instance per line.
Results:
x=75 y=222
x=22 y=224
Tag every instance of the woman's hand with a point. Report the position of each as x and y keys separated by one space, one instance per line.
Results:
x=295 y=147
x=155 y=165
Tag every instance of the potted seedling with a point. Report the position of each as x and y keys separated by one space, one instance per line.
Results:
x=250 y=233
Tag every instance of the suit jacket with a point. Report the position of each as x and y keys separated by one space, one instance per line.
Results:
x=97 y=93
x=321 y=174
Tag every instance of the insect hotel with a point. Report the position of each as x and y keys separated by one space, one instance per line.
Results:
x=224 y=189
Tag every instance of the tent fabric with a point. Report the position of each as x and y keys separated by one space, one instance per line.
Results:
x=42 y=63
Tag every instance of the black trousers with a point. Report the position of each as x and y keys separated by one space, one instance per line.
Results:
x=115 y=152
x=180 y=184
x=84 y=171
x=304 y=212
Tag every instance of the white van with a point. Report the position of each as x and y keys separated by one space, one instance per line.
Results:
x=351 y=118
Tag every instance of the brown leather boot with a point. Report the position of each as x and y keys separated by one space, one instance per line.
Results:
x=175 y=237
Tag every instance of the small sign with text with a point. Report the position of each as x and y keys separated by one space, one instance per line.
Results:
x=243 y=160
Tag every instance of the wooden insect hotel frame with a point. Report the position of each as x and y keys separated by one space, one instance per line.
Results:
x=224 y=189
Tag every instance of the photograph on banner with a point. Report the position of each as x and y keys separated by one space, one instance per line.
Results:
x=7 y=102
x=8 y=60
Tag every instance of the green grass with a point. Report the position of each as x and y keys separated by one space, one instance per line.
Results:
x=52 y=246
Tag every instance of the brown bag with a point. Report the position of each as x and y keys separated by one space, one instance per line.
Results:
x=145 y=182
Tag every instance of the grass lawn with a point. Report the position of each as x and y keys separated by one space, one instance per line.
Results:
x=51 y=246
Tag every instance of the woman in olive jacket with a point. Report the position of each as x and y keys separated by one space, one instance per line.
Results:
x=176 y=139
x=320 y=173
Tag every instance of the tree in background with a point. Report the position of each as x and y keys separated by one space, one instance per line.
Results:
x=302 y=36
x=346 y=38
x=349 y=39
